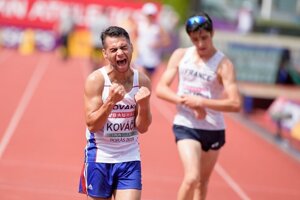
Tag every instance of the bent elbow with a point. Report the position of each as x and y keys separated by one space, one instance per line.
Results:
x=143 y=130
x=91 y=127
x=158 y=92
x=236 y=107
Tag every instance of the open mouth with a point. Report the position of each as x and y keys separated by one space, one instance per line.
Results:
x=122 y=62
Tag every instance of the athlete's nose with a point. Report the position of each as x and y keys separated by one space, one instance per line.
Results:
x=200 y=43
x=120 y=52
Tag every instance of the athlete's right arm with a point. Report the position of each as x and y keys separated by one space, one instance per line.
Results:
x=97 y=111
x=163 y=88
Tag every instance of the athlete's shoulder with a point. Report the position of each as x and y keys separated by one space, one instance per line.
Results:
x=226 y=61
x=95 y=79
x=226 y=66
x=178 y=54
x=180 y=51
x=144 y=80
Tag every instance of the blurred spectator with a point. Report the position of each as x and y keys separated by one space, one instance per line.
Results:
x=129 y=23
x=27 y=44
x=283 y=72
x=169 y=18
x=97 y=24
x=64 y=29
x=287 y=73
x=152 y=38
x=245 y=18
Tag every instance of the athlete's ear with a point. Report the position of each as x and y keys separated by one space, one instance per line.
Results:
x=104 y=53
x=131 y=46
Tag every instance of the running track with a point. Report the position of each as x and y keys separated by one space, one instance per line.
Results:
x=42 y=141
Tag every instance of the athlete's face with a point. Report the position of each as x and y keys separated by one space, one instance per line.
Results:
x=118 y=51
x=203 y=42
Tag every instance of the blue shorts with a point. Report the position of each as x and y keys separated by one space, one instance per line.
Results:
x=150 y=70
x=209 y=139
x=101 y=179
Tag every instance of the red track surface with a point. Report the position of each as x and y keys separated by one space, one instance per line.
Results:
x=42 y=141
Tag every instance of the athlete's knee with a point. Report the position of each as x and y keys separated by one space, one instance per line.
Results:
x=191 y=180
x=202 y=186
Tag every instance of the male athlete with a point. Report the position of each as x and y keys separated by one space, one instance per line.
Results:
x=117 y=108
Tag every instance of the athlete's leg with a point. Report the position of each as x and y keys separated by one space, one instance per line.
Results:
x=129 y=194
x=189 y=152
x=129 y=184
x=207 y=163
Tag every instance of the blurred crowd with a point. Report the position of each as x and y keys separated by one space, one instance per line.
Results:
x=151 y=28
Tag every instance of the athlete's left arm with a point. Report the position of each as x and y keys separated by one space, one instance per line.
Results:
x=143 y=112
x=231 y=102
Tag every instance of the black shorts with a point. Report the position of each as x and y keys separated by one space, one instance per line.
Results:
x=209 y=139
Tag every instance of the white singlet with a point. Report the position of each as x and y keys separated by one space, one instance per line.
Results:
x=200 y=80
x=117 y=141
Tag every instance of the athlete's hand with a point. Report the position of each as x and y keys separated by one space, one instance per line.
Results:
x=194 y=103
x=142 y=97
x=116 y=92
x=200 y=113
x=191 y=101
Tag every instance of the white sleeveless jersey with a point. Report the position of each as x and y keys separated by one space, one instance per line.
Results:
x=200 y=80
x=117 y=141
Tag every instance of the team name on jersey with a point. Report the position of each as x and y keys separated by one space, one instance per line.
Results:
x=194 y=73
x=123 y=107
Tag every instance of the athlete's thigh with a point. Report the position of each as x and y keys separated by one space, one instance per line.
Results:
x=128 y=194
x=208 y=161
x=189 y=152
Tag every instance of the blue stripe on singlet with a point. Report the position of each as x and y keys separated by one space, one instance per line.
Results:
x=91 y=149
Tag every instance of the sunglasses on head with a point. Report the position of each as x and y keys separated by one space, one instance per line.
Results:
x=196 y=22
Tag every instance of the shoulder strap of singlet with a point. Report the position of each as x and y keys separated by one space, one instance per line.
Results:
x=106 y=78
x=135 y=78
x=187 y=55
x=215 y=60
x=108 y=82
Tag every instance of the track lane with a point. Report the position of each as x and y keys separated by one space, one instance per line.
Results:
x=42 y=159
x=12 y=83
x=45 y=154
x=261 y=168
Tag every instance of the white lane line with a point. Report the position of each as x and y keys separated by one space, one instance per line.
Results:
x=167 y=113
x=28 y=93
x=233 y=184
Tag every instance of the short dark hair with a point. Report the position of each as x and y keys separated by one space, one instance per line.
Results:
x=114 y=31
x=205 y=23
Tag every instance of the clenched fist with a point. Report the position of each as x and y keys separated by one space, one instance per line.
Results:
x=116 y=92
x=142 y=96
